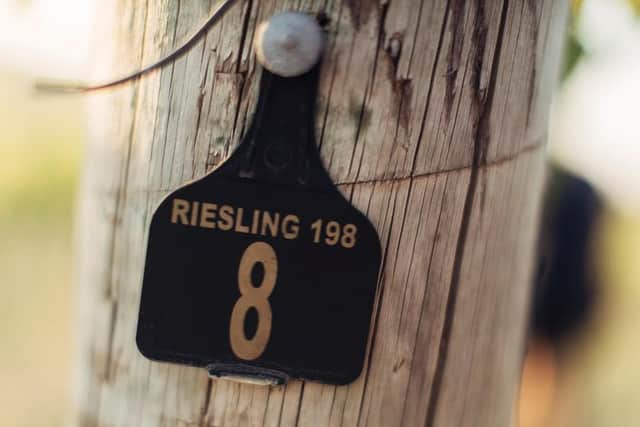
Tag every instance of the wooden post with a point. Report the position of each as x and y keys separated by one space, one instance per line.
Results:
x=432 y=118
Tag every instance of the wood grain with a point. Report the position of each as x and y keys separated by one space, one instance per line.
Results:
x=432 y=119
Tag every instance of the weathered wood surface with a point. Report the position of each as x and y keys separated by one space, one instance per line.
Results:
x=432 y=118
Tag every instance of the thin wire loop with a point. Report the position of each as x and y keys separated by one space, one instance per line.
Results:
x=74 y=87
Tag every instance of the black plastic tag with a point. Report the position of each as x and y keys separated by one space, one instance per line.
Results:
x=262 y=269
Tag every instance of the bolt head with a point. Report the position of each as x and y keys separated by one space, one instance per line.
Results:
x=289 y=44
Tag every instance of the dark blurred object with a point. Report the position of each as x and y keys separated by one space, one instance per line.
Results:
x=565 y=291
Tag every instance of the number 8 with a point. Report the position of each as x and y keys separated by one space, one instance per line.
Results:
x=256 y=297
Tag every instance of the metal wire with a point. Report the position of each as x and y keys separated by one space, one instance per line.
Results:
x=75 y=87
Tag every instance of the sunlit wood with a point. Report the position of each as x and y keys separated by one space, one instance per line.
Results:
x=432 y=118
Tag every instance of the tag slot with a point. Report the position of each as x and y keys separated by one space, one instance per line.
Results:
x=247 y=374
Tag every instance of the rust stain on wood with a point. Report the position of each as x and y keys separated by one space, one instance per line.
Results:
x=360 y=11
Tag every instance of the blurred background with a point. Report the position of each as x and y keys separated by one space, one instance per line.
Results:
x=41 y=145
x=586 y=375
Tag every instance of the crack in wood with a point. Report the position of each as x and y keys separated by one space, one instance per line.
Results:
x=479 y=159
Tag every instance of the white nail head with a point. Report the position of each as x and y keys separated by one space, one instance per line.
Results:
x=289 y=44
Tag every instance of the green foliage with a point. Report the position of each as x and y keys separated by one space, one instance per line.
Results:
x=573 y=53
x=635 y=5
x=38 y=182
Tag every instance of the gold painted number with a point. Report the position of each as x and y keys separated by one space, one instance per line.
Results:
x=334 y=233
x=348 y=239
x=256 y=297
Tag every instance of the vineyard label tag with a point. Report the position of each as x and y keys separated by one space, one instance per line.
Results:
x=262 y=269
